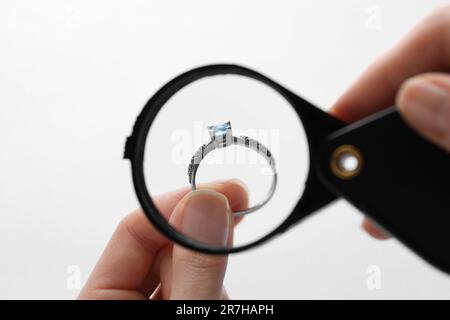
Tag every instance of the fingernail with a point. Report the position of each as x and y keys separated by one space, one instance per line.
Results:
x=206 y=217
x=425 y=104
x=375 y=229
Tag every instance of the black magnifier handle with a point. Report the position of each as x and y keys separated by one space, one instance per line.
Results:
x=396 y=177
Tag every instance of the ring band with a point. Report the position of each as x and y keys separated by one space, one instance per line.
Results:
x=221 y=137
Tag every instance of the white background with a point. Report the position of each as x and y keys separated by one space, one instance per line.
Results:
x=75 y=74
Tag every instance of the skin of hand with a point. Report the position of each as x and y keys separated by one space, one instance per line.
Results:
x=140 y=263
x=414 y=76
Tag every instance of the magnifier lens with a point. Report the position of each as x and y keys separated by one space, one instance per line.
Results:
x=235 y=106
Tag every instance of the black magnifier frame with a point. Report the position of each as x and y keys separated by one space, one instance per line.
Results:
x=317 y=125
x=401 y=180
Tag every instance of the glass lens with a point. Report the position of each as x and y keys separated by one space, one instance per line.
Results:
x=231 y=175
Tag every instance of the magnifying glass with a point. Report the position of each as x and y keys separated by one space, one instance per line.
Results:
x=222 y=121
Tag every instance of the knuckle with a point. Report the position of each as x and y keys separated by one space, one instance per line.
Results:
x=127 y=224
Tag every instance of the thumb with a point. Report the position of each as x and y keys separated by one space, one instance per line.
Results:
x=424 y=102
x=204 y=216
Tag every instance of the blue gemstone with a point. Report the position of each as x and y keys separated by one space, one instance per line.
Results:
x=220 y=129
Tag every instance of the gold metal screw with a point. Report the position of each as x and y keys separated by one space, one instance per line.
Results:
x=338 y=158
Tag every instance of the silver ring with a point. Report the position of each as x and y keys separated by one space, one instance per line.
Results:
x=221 y=137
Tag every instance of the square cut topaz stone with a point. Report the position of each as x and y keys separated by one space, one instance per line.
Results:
x=220 y=130
x=221 y=133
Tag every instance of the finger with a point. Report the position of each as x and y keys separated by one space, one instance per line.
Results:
x=237 y=194
x=205 y=216
x=425 y=49
x=234 y=189
x=424 y=102
x=124 y=269
x=375 y=230
x=162 y=292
